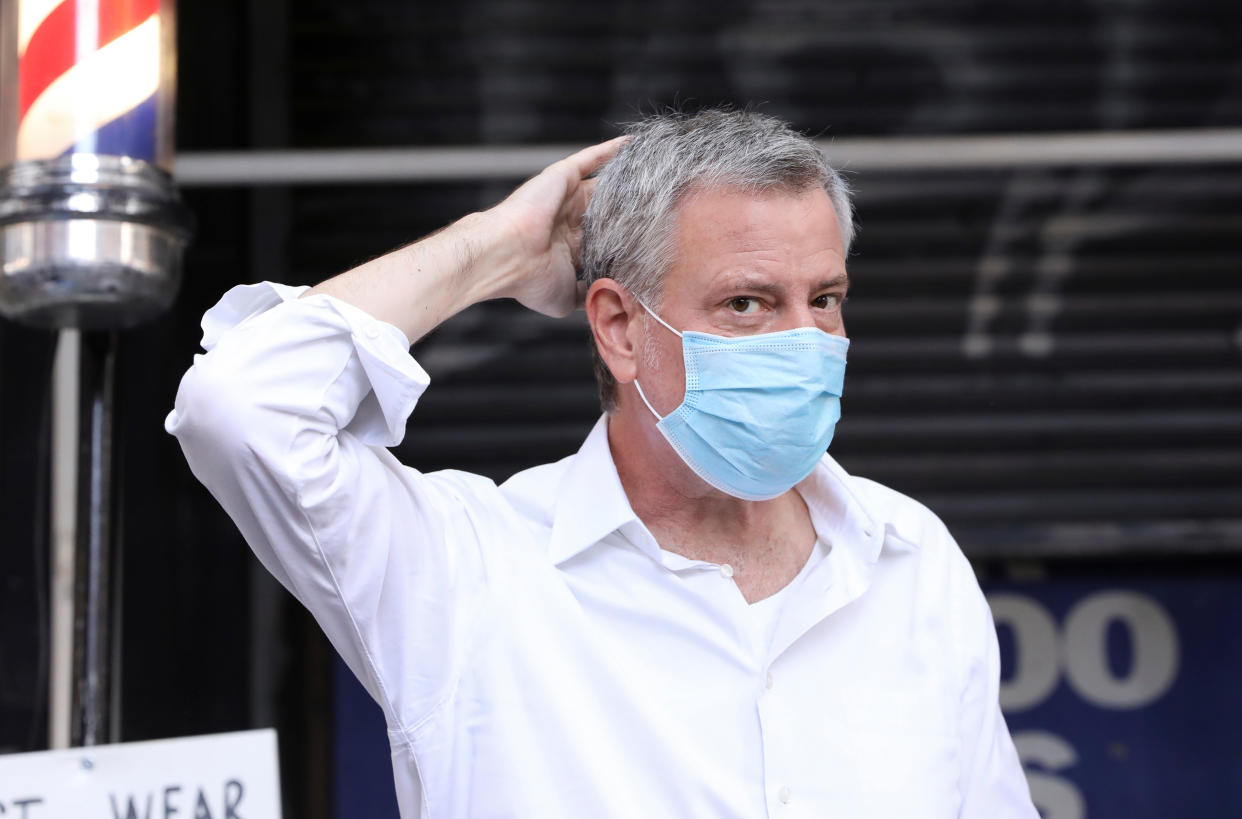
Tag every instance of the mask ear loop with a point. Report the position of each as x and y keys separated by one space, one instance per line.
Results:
x=657 y=415
x=652 y=313
x=669 y=327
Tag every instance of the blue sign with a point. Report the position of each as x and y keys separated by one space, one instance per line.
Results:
x=1125 y=700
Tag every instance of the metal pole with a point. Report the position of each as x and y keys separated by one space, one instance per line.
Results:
x=95 y=569
x=64 y=538
x=395 y=165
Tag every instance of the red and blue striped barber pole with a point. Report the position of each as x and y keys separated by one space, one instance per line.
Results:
x=91 y=226
x=89 y=79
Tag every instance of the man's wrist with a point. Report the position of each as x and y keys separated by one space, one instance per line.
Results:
x=487 y=255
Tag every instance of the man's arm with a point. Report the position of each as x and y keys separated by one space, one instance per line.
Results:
x=286 y=417
x=525 y=248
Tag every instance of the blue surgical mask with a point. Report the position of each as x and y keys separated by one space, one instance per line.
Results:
x=759 y=411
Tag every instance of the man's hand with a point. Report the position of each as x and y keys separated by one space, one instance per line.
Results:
x=544 y=222
x=525 y=248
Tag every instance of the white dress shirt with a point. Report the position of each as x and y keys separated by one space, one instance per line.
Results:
x=536 y=654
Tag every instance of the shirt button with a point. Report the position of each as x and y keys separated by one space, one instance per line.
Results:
x=768 y=682
x=372 y=331
x=784 y=795
x=726 y=570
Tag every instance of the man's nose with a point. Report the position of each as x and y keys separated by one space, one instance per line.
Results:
x=798 y=316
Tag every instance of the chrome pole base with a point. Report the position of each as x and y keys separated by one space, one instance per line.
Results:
x=89 y=241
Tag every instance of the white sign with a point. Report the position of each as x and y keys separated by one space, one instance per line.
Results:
x=220 y=776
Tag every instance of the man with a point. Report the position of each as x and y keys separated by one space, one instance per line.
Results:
x=700 y=614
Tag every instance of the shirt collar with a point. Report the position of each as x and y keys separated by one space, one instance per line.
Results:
x=591 y=504
x=839 y=513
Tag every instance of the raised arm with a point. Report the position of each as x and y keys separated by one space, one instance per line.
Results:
x=524 y=248
x=286 y=417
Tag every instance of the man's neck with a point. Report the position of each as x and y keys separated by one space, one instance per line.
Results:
x=766 y=543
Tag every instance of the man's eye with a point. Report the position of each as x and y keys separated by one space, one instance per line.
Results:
x=743 y=304
x=828 y=301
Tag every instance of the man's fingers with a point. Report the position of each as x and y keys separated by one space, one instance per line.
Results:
x=588 y=160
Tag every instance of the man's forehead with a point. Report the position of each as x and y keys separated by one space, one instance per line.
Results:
x=762 y=240
x=742 y=220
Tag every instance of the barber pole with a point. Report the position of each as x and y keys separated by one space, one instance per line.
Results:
x=91 y=228
x=89 y=78
x=91 y=237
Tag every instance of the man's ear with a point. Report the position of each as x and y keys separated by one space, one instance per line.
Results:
x=611 y=310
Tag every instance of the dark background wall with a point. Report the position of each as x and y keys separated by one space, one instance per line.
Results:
x=1047 y=357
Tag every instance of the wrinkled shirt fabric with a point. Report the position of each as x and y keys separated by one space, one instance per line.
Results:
x=537 y=654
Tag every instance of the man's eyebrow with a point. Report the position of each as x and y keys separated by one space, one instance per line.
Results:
x=754 y=284
x=764 y=285
x=836 y=281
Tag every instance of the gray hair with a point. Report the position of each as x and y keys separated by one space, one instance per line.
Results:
x=628 y=230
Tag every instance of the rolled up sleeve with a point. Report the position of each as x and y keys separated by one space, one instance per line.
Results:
x=285 y=420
